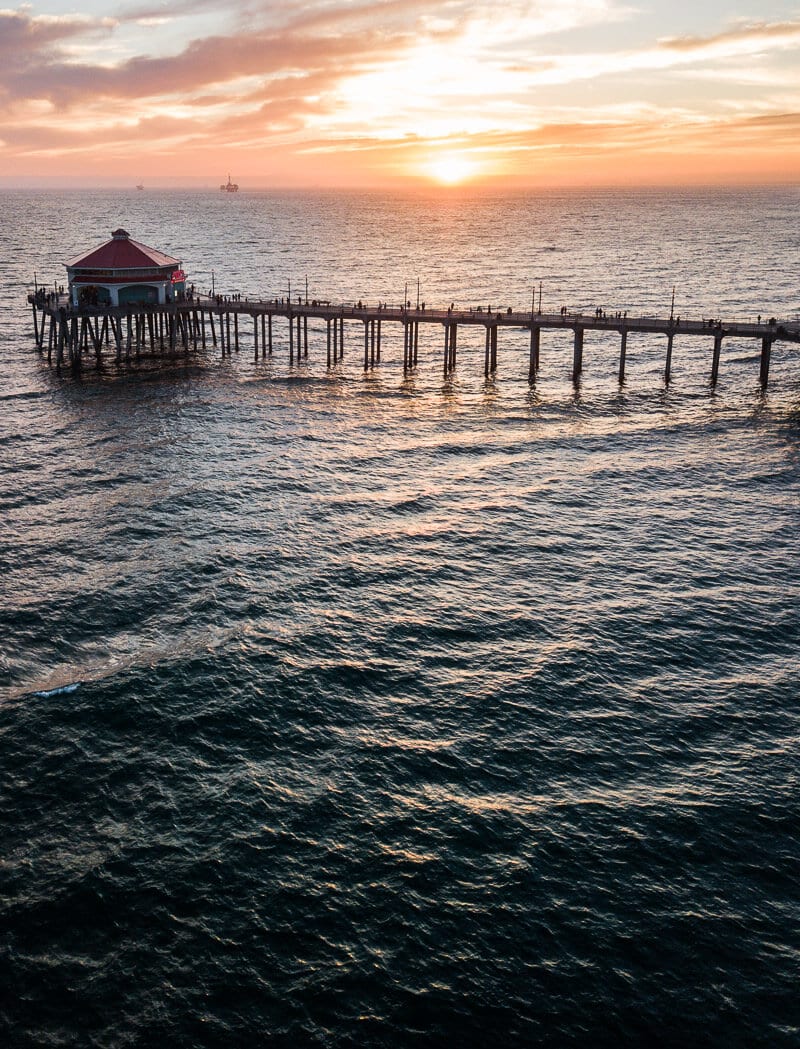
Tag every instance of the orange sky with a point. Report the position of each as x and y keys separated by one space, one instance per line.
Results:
x=387 y=92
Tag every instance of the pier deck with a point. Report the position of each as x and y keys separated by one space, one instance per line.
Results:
x=69 y=332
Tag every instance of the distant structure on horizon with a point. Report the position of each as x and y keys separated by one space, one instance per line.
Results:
x=123 y=271
x=140 y=185
x=229 y=187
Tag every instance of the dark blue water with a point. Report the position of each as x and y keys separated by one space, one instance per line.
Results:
x=343 y=709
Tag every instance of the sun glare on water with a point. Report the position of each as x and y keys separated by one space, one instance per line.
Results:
x=451 y=170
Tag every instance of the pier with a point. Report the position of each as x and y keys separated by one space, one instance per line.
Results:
x=69 y=334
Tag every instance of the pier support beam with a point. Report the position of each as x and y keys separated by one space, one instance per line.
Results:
x=577 y=355
x=533 y=363
x=39 y=337
x=116 y=327
x=623 y=353
x=766 y=353
x=715 y=358
x=668 y=362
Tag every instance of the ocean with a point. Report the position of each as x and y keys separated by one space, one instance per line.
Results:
x=342 y=708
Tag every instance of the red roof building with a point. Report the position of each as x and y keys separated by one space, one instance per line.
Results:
x=123 y=271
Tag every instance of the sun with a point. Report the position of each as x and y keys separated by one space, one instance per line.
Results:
x=451 y=169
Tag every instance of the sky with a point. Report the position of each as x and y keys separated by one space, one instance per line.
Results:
x=387 y=93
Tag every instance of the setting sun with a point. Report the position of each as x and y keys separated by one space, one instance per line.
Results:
x=451 y=169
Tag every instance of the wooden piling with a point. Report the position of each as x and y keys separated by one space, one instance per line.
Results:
x=668 y=362
x=577 y=354
x=60 y=344
x=623 y=353
x=766 y=353
x=533 y=361
x=116 y=327
x=715 y=358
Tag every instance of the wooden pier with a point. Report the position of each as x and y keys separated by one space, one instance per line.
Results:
x=68 y=334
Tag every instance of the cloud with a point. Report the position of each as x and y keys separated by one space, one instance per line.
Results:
x=747 y=36
x=23 y=35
